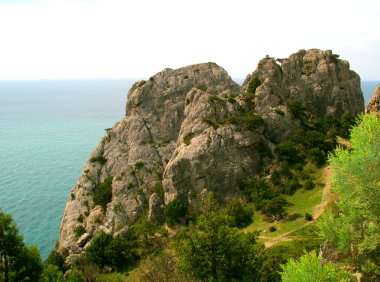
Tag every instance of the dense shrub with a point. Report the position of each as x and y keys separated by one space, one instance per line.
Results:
x=100 y=159
x=308 y=216
x=108 y=251
x=103 y=192
x=241 y=215
x=176 y=212
x=252 y=86
x=79 y=230
x=297 y=109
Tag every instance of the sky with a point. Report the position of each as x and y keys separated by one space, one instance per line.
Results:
x=46 y=39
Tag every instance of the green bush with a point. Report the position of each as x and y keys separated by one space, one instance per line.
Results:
x=241 y=215
x=57 y=259
x=297 y=109
x=108 y=251
x=310 y=268
x=272 y=229
x=248 y=120
x=79 y=230
x=308 y=184
x=103 y=192
x=202 y=87
x=100 y=159
x=139 y=165
x=252 y=86
x=176 y=212
x=308 y=216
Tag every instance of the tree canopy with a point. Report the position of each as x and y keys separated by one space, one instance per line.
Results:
x=355 y=228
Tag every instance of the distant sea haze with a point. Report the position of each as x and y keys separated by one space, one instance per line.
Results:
x=47 y=130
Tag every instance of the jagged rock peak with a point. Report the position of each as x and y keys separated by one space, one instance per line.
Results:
x=192 y=130
x=319 y=79
x=374 y=103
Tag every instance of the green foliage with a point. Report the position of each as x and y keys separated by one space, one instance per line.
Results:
x=334 y=57
x=211 y=122
x=274 y=257
x=310 y=269
x=279 y=112
x=231 y=99
x=144 y=228
x=27 y=265
x=286 y=151
x=272 y=229
x=51 y=273
x=102 y=194
x=355 y=178
x=100 y=159
x=17 y=262
x=187 y=139
x=139 y=165
x=215 y=98
x=240 y=215
x=308 y=216
x=80 y=218
x=308 y=184
x=248 y=120
x=210 y=250
x=75 y=275
x=176 y=212
x=297 y=109
x=252 y=86
x=160 y=267
x=57 y=259
x=79 y=230
x=108 y=251
x=202 y=87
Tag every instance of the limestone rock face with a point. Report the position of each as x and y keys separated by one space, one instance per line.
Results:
x=374 y=103
x=192 y=130
x=321 y=81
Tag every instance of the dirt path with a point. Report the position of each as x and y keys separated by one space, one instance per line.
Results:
x=327 y=197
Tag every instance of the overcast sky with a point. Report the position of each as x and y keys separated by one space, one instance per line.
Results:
x=136 y=39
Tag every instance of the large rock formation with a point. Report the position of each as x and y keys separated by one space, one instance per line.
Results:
x=192 y=129
x=374 y=103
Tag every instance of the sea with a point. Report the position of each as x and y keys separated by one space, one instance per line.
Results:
x=47 y=130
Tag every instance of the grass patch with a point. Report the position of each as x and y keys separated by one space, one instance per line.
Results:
x=303 y=202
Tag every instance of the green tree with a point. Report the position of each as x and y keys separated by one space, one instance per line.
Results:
x=241 y=215
x=18 y=261
x=103 y=192
x=27 y=265
x=176 y=212
x=51 y=273
x=57 y=259
x=108 y=251
x=355 y=229
x=310 y=269
x=210 y=250
x=75 y=275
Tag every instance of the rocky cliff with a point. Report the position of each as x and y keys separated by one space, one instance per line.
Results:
x=374 y=103
x=194 y=129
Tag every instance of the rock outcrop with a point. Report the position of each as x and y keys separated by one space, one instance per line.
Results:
x=374 y=103
x=193 y=129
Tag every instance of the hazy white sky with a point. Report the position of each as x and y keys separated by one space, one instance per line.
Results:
x=110 y=38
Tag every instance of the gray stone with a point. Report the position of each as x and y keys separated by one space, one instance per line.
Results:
x=156 y=209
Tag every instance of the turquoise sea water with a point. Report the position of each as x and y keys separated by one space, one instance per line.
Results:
x=47 y=130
